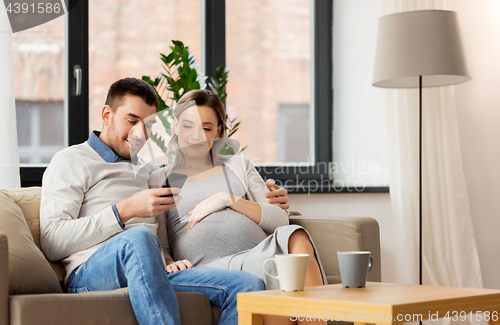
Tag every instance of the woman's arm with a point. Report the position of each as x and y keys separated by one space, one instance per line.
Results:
x=250 y=209
x=220 y=200
x=163 y=236
x=171 y=265
x=273 y=216
x=267 y=216
x=257 y=208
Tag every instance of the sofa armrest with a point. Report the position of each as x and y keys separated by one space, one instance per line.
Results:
x=336 y=234
x=4 y=280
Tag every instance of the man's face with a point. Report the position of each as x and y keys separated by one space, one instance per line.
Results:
x=126 y=130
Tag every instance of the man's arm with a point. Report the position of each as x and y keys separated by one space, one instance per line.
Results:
x=147 y=203
x=65 y=183
x=62 y=233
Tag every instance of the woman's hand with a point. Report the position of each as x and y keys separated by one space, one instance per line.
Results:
x=207 y=206
x=277 y=195
x=173 y=266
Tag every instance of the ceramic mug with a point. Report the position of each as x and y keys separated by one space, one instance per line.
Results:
x=354 y=268
x=292 y=269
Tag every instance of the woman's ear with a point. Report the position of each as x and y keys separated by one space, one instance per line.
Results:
x=176 y=126
x=220 y=133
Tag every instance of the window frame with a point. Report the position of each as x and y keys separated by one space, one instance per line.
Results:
x=321 y=101
x=76 y=107
x=296 y=178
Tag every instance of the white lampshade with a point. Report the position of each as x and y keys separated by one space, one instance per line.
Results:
x=419 y=43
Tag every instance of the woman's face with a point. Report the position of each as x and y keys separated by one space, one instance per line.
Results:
x=197 y=127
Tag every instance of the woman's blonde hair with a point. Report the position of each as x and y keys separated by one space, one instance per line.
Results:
x=199 y=97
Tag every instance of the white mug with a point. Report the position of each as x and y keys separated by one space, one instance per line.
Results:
x=292 y=269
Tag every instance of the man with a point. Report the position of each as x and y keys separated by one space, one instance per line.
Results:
x=97 y=215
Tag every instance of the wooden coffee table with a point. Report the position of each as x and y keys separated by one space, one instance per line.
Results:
x=377 y=303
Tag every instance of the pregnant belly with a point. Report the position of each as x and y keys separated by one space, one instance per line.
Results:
x=223 y=233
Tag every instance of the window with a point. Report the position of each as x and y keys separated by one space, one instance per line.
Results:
x=40 y=134
x=45 y=58
x=268 y=53
x=280 y=57
x=293 y=133
x=127 y=37
x=38 y=57
x=279 y=53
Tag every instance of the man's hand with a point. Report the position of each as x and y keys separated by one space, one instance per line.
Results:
x=147 y=203
x=277 y=195
x=173 y=267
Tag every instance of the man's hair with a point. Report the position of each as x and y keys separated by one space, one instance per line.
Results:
x=130 y=86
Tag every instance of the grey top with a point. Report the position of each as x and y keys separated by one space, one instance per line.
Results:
x=223 y=232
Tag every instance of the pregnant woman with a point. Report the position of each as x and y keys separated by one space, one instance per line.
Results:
x=222 y=218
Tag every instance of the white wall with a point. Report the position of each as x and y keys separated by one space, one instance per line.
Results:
x=478 y=105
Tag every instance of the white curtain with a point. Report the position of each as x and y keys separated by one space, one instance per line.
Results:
x=450 y=256
x=9 y=157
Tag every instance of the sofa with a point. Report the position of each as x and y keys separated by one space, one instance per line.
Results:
x=31 y=287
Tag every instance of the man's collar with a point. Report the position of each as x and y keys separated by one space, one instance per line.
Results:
x=102 y=149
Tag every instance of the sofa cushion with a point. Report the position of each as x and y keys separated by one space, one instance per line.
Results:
x=29 y=271
x=101 y=307
x=28 y=199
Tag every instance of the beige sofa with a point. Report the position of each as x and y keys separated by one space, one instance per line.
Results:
x=30 y=286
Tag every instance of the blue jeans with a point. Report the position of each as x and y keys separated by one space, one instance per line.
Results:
x=133 y=259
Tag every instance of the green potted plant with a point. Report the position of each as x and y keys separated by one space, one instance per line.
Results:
x=180 y=76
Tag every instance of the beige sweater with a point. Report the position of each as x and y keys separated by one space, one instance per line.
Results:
x=78 y=191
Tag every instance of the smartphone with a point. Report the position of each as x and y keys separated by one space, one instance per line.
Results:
x=174 y=180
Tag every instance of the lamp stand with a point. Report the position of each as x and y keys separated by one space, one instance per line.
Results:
x=415 y=44
x=420 y=179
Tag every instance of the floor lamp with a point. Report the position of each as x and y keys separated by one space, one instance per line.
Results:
x=417 y=49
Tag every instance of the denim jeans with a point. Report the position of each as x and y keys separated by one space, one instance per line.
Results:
x=133 y=259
